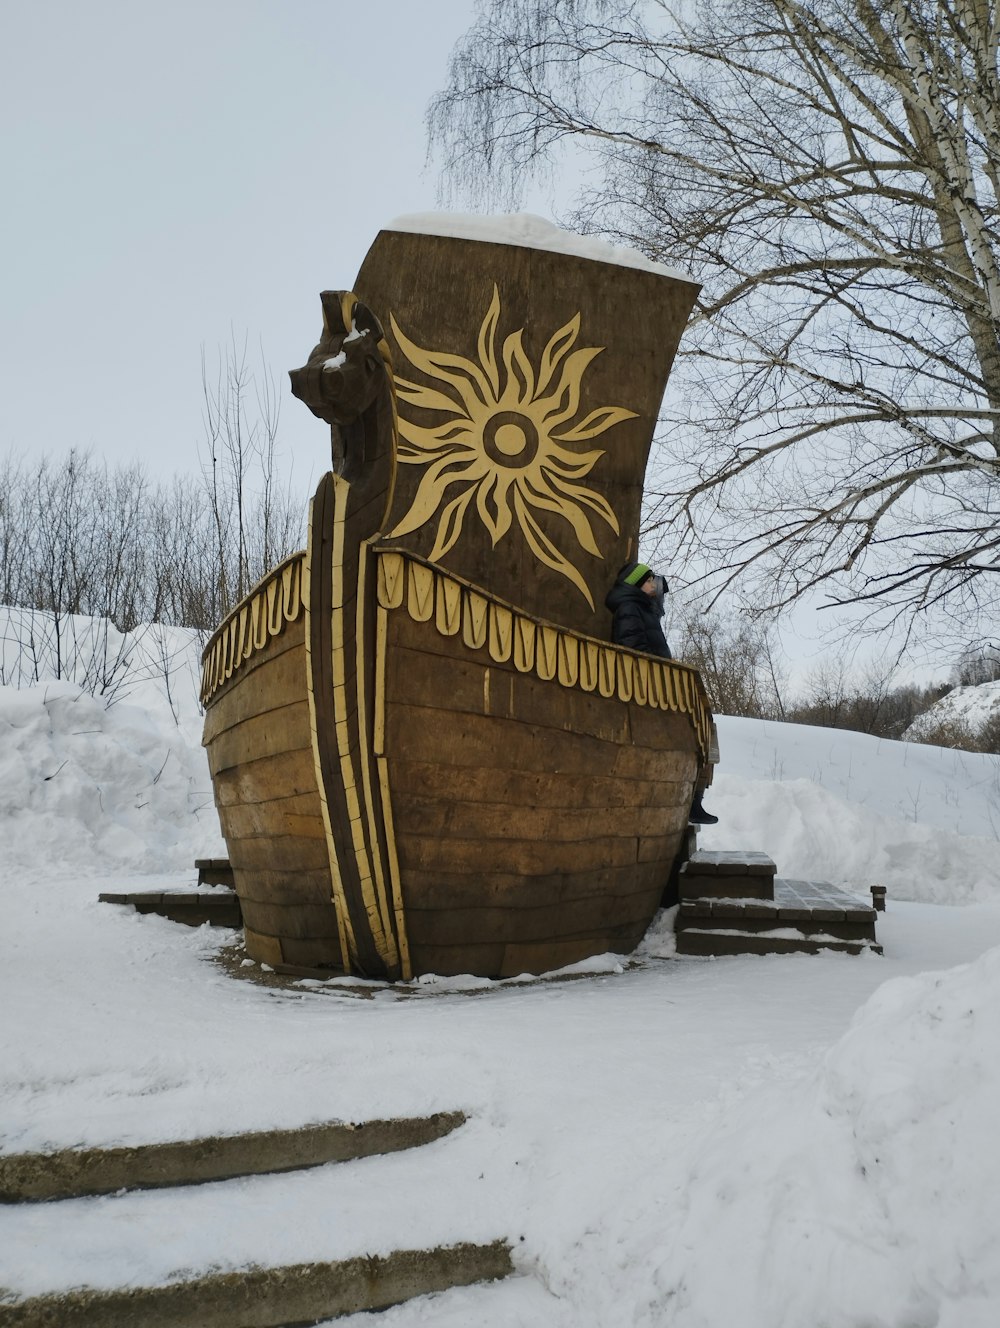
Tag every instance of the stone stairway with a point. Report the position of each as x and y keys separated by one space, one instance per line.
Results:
x=54 y=1192
x=733 y=904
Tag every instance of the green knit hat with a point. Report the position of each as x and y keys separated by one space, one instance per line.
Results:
x=638 y=574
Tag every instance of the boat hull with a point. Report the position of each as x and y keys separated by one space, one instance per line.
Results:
x=260 y=753
x=514 y=855
x=528 y=789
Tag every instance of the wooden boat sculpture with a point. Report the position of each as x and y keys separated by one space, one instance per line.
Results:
x=426 y=755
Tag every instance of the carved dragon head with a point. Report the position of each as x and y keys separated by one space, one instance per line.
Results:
x=344 y=372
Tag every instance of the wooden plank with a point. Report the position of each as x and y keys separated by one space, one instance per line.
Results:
x=417 y=733
x=283 y=887
x=265 y=949
x=525 y=856
x=73 y=1173
x=441 y=675
x=662 y=728
x=486 y=889
x=334 y=575
x=546 y=956
x=312 y=952
x=286 y=774
x=288 y=853
x=298 y=921
x=535 y=788
x=449 y=960
x=429 y=670
x=567 y=919
x=665 y=847
x=298 y=815
x=284 y=729
x=415 y=814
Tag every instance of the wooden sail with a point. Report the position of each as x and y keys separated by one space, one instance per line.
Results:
x=429 y=760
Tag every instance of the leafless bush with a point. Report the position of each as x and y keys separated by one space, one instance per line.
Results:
x=837 y=698
x=737 y=661
x=951 y=732
x=90 y=554
x=255 y=520
x=977 y=664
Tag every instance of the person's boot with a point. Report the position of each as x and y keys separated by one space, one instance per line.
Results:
x=699 y=815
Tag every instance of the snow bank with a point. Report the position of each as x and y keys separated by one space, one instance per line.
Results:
x=102 y=780
x=970 y=707
x=870 y=1193
x=529 y=232
x=827 y=804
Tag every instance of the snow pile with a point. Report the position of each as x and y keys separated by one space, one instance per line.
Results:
x=966 y=707
x=108 y=780
x=870 y=1194
x=529 y=232
x=828 y=804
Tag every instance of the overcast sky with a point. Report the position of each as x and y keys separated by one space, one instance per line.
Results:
x=171 y=171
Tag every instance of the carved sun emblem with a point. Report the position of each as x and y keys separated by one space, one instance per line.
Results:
x=505 y=441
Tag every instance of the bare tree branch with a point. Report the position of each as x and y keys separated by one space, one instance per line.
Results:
x=829 y=170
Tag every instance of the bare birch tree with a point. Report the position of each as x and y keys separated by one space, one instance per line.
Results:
x=830 y=171
x=254 y=516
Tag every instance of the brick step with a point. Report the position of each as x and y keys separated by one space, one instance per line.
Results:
x=803 y=915
x=270 y=1297
x=215 y=871
x=695 y=941
x=76 y=1172
x=191 y=909
x=728 y=875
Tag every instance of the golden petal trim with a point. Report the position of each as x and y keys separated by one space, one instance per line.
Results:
x=552 y=653
x=253 y=622
x=475 y=620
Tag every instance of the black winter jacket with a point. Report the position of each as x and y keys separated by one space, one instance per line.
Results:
x=636 y=621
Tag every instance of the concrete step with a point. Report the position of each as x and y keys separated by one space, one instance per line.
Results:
x=219 y=909
x=519 y=1301
x=269 y=1297
x=262 y=1250
x=75 y=1172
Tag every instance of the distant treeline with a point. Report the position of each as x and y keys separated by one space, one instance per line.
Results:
x=737 y=658
x=80 y=537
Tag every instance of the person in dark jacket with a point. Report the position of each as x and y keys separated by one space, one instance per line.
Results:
x=636 y=604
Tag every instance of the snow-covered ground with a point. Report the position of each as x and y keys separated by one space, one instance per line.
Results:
x=760 y=1143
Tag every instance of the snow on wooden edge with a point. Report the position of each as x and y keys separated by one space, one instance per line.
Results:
x=530 y=232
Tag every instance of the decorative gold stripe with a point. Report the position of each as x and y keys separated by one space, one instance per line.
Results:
x=387 y=948
x=344 y=930
x=548 y=651
x=342 y=727
x=392 y=863
x=275 y=601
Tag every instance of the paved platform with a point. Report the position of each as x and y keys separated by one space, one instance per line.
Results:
x=734 y=904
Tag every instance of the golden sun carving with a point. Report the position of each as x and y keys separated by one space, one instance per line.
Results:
x=506 y=439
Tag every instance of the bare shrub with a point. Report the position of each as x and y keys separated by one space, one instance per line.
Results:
x=737 y=661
